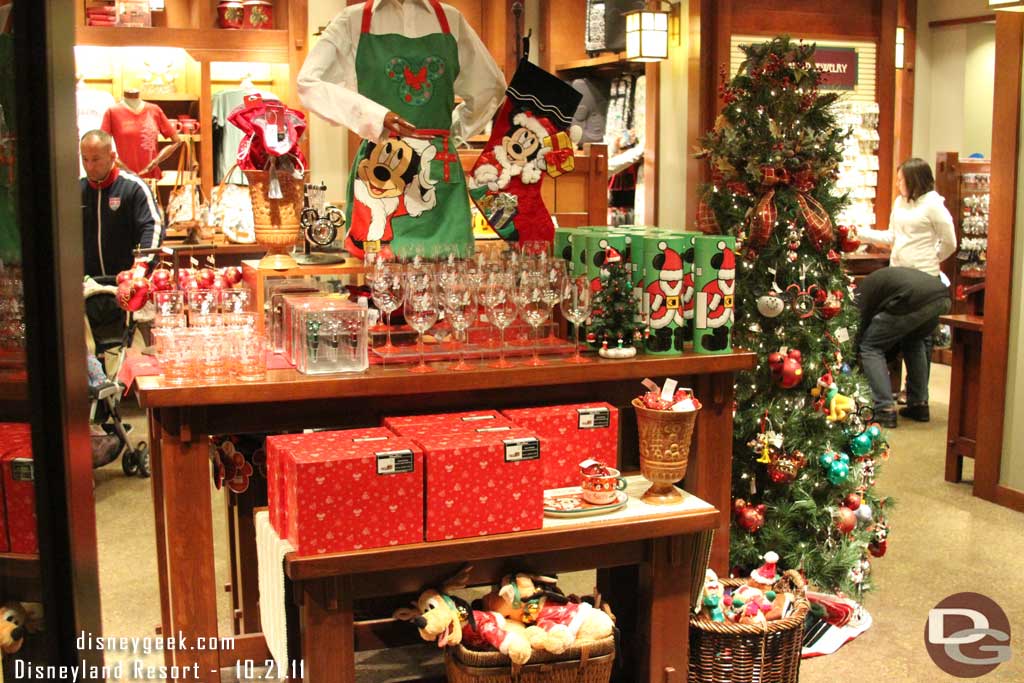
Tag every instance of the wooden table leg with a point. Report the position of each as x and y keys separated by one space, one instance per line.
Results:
x=665 y=596
x=157 y=482
x=328 y=632
x=709 y=476
x=955 y=461
x=188 y=536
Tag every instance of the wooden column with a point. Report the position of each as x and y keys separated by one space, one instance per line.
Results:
x=886 y=96
x=205 y=147
x=999 y=282
x=903 y=140
x=652 y=143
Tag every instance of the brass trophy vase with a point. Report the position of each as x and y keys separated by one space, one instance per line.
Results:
x=277 y=222
x=665 y=438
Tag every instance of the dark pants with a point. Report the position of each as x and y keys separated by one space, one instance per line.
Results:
x=910 y=332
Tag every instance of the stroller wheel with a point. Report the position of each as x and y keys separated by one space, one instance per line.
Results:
x=129 y=463
x=142 y=459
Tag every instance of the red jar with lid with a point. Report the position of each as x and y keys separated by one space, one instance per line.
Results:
x=230 y=14
x=258 y=14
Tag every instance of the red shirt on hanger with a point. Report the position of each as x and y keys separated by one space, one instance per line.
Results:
x=136 y=133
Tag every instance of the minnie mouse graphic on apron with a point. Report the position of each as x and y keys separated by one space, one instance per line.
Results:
x=408 y=194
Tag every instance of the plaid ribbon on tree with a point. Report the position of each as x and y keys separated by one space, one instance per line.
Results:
x=762 y=222
x=706 y=220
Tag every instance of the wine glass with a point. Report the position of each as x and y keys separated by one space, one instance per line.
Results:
x=499 y=300
x=575 y=305
x=388 y=295
x=533 y=308
x=554 y=271
x=422 y=307
x=460 y=309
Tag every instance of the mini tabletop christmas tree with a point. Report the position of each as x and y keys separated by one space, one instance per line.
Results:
x=805 y=453
x=613 y=327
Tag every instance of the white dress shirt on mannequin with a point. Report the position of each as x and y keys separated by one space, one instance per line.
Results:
x=327 y=82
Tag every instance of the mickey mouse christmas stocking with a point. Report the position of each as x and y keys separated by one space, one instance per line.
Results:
x=532 y=135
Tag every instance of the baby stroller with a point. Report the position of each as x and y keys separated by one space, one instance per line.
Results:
x=111 y=329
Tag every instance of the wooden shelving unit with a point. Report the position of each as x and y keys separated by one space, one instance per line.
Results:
x=952 y=175
x=192 y=26
x=612 y=62
x=20 y=577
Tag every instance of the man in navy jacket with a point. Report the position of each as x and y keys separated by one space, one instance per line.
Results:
x=118 y=211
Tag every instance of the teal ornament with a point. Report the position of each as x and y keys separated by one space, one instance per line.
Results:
x=874 y=431
x=838 y=472
x=861 y=444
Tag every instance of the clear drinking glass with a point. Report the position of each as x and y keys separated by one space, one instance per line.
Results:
x=461 y=308
x=250 y=356
x=236 y=300
x=201 y=302
x=554 y=273
x=388 y=294
x=533 y=308
x=168 y=303
x=575 y=305
x=499 y=300
x=213 y=351
x=177 y=353
x=422 y=307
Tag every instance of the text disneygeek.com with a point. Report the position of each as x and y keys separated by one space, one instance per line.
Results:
x=132 y=666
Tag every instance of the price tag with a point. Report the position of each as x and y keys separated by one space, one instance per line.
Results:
x=477 y=418
x=210 y=261
x=517 y=450
x=23 y=469
x=669 y=390
x=505 y=428
x=395 y=462
x=364 y=439
x=167 y=250
x=593 y=418
x=193 y=261
x=649 y=383
x=843 y=335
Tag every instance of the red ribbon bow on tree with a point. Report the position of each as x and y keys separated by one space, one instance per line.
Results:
x=762 y=223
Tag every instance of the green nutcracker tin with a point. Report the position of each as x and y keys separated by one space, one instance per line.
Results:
x=715 y=281
x=664 y=291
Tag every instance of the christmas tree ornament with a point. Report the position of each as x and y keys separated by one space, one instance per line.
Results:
x=878 y=548
x=770 y=305
x=879 y=539
x=749 y=517
x=784 y=467
x=864 y=513
x=837 y=466
x=848 y=240
x=836 y=406
x=766 y=576
x=852 y=501
x=787 y=370
x=861 y=444
x=846 y=520
x=766 y=442
x=874 y=431
x=831 y=305
x=803 y=297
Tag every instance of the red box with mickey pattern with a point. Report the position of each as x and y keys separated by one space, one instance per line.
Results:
x=16 y=442
x=482 y=482
x=342 y=440
x=469 y=421
x=572 y=434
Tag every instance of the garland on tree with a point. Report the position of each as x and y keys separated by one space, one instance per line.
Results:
x=805 y=453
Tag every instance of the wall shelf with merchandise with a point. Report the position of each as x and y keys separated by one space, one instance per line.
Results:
x=964 y=183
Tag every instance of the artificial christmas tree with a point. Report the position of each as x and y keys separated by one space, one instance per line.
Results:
x=774 y=155
x=613 y=326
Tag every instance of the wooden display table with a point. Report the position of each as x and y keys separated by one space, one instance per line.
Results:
x=181 y=417
x=964 y=391
x=666 y=543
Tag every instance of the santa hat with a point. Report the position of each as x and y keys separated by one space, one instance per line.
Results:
x=765 y=574
x=539 y=127
x=728 y=269
x=672 y=268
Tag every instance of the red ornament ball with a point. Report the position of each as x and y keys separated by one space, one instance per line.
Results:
x=852 y=501
x=878 y=548
x=749 y=517
x=846 y=521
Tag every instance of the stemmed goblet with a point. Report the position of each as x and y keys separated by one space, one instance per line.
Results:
x=575 y=306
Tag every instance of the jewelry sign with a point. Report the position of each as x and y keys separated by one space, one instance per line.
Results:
x=838 y=67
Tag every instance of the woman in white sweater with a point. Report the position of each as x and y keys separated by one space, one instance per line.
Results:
x=920 y=232
x=921 y=237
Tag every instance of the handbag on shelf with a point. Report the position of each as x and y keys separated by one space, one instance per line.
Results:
x=185 y=209
x=231 y=211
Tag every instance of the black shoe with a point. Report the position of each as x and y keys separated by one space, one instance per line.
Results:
x=886 y=418
x=917 y=412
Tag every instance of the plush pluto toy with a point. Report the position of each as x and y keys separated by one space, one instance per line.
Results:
x=449 y=620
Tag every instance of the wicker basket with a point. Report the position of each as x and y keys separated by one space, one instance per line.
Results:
x=586 y=663
x=276 y=221
x=665 y=438
x=724 y=652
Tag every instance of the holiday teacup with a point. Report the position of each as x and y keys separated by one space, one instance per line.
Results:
x=601 y=484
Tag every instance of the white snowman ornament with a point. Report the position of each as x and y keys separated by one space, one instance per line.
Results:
x=770 y=305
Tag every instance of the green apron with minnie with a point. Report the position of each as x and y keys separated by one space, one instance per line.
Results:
x=407 y=195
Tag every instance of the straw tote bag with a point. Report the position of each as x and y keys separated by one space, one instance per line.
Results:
x=185 y=205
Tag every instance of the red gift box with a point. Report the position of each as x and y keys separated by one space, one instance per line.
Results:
x=481 y=483
x=345 y=494
x=342 y=439
x=469 y=421
x=572 y=434
x=16 y=438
